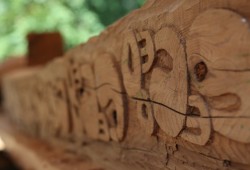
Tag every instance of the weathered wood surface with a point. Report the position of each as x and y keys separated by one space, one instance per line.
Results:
x=166 y=87
x=30 y=153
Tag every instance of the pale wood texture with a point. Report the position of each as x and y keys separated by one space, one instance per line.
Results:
x=31 y=153
x=166 y=87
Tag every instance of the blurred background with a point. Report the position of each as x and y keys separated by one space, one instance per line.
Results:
x=33 y=32
x=76 y=20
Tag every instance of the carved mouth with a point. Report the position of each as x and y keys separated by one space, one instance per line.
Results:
x=225 y=102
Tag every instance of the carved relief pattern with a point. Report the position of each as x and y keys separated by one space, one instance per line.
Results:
x=93 y=107
x=218 y=75
x=178 y=85
x=165 y=100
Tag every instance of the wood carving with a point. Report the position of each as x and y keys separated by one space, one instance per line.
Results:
x=223 y=84
x=88 y=103
x=111 y=102
x=166 y=87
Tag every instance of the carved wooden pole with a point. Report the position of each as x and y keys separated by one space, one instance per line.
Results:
x=166 y=87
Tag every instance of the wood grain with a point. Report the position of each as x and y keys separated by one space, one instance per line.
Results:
x=166 y=87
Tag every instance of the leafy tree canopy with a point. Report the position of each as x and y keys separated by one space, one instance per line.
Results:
x=77 y=20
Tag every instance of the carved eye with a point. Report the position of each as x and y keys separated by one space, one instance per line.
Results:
x=81 y=91
x=114 y=114
x=144 y=111
x=129 y=60
x=101 y=131
x=100 y=121
x=144 y=59
x=76 y=81
x=142 y=43
x=164 y=60
x=59 y=94
x=200 y=71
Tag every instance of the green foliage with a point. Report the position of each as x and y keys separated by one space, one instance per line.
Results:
x=77 y=20
x=110 y=10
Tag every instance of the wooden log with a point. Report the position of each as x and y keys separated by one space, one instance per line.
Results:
x=166 y=87
x=39 y=154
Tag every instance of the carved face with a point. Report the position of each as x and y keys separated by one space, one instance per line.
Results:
x=218 y=50
x=88 y=102
x=163 y=94
x=109 y=89
x=168 y=85
x=101 y=104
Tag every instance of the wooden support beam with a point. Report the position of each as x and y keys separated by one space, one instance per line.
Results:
x=166 y=87
x=31 y=153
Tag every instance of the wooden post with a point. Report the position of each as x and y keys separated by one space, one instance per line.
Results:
x=166 y=87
